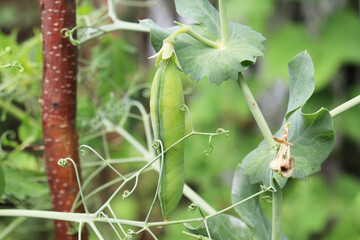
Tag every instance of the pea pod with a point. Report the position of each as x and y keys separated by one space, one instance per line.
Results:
x=168 y=121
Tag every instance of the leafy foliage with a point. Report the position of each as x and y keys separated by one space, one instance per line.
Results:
x=21 y=186
x=311 y=134
x=250 y=211
x=22 y=86
x=306 y=204
x=200 y=60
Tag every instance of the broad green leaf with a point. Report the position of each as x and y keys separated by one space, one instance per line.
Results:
x=249 y=211
x=203 y=12
x=202 y=61
x=301 y=74
x=257 y=164
x=312 y=134
x=218 y=65
x=223 y=227
x=21 y=185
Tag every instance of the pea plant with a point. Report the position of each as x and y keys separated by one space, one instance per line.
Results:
x=214 y=49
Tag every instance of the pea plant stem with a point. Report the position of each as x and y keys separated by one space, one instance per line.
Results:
x=197 y=36
x=264 y=128
x=345 y=106
x=276 y=213
x=193 y=196
x=223 y=23
x=256 y=112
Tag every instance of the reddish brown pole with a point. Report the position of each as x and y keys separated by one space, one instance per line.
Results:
x=59 y=107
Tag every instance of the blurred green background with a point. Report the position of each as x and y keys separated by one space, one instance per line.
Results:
x=325 y=206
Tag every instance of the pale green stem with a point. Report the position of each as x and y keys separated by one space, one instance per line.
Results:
x=85 y=218
x=345 y=106
x=114 y=216
x=113 y=161
x=103 y=160
x=152 y=234
x=156 y=224
x=276 y=213
x=256 y=112
x=183 y=29
x=238 y=203
x=198 y=36
x=96 y=231
x=146 y=120
x=94 y=32
x=195 y=236
x=264 y=128
x=79 y=184
x=110 y=127
x=188 y=192
x=139 y=3
x=66 y=216
x=224 y=23
x=193 y=196
x=81 y=225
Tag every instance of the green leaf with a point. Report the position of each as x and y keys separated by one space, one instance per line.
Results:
x=223 y=227
x=312 y=134
x=202 y=61
x=301 y=74
x=21 y=186
x=250 y=211
x=257 y=164
x=203 y=12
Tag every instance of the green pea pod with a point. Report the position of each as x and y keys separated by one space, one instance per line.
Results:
x=168 y=121
x=2 y=181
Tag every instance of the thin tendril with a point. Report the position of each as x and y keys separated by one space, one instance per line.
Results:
x=161 y=147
